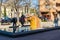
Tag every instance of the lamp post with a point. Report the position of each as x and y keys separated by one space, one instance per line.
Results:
x=39 y=14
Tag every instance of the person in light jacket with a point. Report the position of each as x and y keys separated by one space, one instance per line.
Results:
x=34 y=22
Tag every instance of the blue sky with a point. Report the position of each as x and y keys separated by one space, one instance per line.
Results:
x=3 y=0
x=34 y=2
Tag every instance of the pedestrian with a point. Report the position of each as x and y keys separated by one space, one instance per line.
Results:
x=22 y=20
x=34 y=22
x=14 y=21
x=56 y=20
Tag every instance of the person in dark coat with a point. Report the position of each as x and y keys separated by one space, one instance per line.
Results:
x=22 y=20
x=14 y=20
x=56 y=20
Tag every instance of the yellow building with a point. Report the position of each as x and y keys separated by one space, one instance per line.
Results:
x=48 y=8
x=58 y=5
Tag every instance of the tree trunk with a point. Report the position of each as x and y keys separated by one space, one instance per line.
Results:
x=5 y=12
x=17 y=17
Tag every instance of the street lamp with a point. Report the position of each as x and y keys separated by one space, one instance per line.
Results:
x=38 y=10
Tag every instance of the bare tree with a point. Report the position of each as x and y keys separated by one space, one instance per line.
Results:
x=21 y=3
x=15 y=4
x=0 y=10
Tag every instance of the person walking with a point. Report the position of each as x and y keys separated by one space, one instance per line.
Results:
x=14 y=20
x=22 y=20
x=56 y=20
x=34 y=22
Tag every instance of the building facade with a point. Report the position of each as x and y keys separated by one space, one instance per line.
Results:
x=48 y=8
x=58 y=5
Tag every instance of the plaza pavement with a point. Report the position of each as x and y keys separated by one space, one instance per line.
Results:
x=43 y=24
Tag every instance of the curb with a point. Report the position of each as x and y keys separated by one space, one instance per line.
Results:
x=22 y=34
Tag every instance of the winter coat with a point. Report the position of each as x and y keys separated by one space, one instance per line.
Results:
x=34 y=22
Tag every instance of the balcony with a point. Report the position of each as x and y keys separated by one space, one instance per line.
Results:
x=57 y=4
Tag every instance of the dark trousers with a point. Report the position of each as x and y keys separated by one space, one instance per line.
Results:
x=56 y=24
x=22 y=23
x=14 y=24
x=14 y=27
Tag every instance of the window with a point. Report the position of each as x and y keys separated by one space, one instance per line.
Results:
x=47 y=6
x=44 y=12
x=57 y=4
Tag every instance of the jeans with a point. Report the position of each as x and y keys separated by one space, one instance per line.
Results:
x=56 y=24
